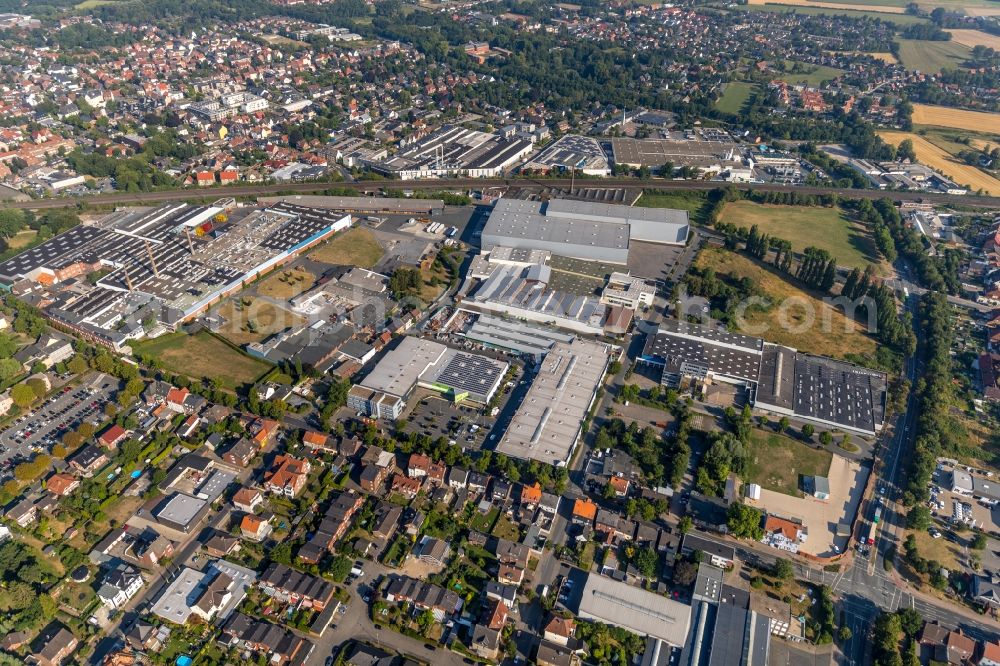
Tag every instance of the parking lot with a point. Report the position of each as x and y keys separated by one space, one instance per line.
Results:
x=435 y=417
x=63 y=411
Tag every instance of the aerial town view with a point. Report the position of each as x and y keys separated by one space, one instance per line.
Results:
x=441 y=332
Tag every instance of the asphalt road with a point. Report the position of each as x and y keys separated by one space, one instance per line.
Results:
x=375 y=186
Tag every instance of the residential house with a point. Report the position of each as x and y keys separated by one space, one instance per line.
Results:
x=554 y=654
x=989 y=655
x=424 y=596
x=506 y=594
x=220 y=544
x=458 y=477
x=62 y=484
x=433 y=551
x=112 y=436
x=386 y=520
x=531 y=495
x=24 y=512
x=485 y=643
x=255 y=528
x=287 y=476
x=214 y=596
x=584 y=512
x=291 y=586
x=417 y=466
x=372 y=477
x=53 y=645
x=477 y=482
x=240 y=453
x=559 y=630
x=280 y=646
x=88 y=460
x=985 y=591
x=495 y=615
x=119 y=585
x=248 y=500
x=405 y=486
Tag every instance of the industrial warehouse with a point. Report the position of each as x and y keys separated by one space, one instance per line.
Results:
x=778 y=379
x=547 y=424
x=582 y=229
x=580 y=154
x=166 y=264
x=456 y=151
x=416 y=362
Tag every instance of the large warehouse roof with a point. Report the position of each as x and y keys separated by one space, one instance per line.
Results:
x=546 y=425
x=582 y=229
x=632 y=608
x=398 y=371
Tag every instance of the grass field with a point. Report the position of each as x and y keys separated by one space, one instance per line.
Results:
x=932 y=57
x=885 y=8
x=735 y=96
x=884 y=57
x=796 y=318
x=354 y=247
x=826 y=228
x=943 y=116
x=939 y=159
x=268 y=319
x=22 y=238
x=694 y=203
x=813 y=74
x=203 y=356
x=91 y=4
x=286 y=283
x=969 y=7
x=777 y=461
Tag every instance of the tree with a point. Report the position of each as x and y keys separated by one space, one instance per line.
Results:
x=783 y=424
x=425 y=621
x=825 y=438
x=978 y=541
x=845 y=634
x=685 y=572
x=807 y=432
x=782 y=569
x=38 y=386
x=340 y=568
x=744 y=521
x=646 y=561
x=919 y=518
x=77 y=365
x=685 y=524
x=22 y=395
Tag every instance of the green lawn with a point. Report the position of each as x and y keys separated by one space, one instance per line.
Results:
x=777 y=462
x=897 y=19
x=506 y=529
x=735 y=96
x=932 y=57
x=484 y=523
x=203 y=356
x=808 y=74
x=694 y=203
x=825 y=228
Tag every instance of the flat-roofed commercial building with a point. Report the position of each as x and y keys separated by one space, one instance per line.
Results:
x=581 y=229
x=455 y=151
x=547 y=424
x=182 y=512
x=417 y=362
x=778 y=379
x=632 y=608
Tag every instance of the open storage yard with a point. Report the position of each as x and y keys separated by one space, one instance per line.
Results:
x=831 y=333
x=254 y=322
x=804 y=226
x=942 y=116
x=939 y=159
x=821 y=517
x=203 y=356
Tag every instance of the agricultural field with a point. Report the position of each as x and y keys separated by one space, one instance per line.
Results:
x=786 y=322
x=203 y=356
x=969 y=7
x=932 y=57
x=777 y=461
x=735 y=96
x=900 y=20
x=826 y=228
x=939 y=159
x=943 y=116
x=354 y=247
x=887 y=58
x=693 y=202
x=885 y=8
x=972 y=38
x=254 y=321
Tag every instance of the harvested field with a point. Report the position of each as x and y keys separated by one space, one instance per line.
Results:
x=932 y=57
x=942 y=161
x=886 y=9
x=972 y=38
x=943 y=116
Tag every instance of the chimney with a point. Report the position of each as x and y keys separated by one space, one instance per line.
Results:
x=149 y=251
x=187 y=232
x=128 y=278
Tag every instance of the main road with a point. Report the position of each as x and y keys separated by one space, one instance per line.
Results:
x=376 y=186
